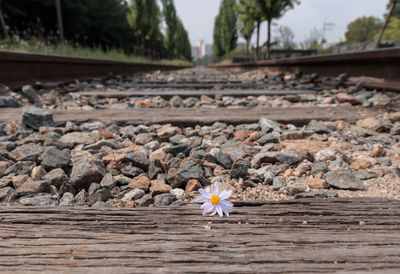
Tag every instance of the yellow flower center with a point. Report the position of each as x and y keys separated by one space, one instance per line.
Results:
x=214 y=199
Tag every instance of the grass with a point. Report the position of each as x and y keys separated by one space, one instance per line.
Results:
x=68 y=50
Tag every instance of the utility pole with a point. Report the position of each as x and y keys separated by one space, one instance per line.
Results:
x=392 y=7
x=325 y=28
x=59 y=18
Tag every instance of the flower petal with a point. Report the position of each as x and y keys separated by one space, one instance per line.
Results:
x=207 y=208
x=205 y=193
x=219 y=210
x=216 y=188
x=226 y=204
x=225 y=194
x=215 y=211
x=226 y=212
x=201 y=200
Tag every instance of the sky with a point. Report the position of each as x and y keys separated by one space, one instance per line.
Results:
x=198 y=17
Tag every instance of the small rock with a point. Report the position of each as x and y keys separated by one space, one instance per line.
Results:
x=155 y=168
x=167 y=132
x=316 y=183
x=34 y=118
x=192 y=185
x=347 y=98
x=100 y=195
x=240 y=169
x=93 y=188
x=67 y=199
x=38 y=172
x=133 y=195
x=164 y=199
x=268 y=139
x=159 y=187
x=372 y=124
x=79 y=138
x=295 y=188
x=32 y=95
x=268 y=125
x=317 y=127
x=142 y=182
x=41 y=199
x=56 y=177
x=325 y=155
x=178 y=193
x=27 y=152
x=81 y=197
x=145 y=201
x=344 y=179
x=8 y=102
x=278 y=183
x=33 y=187
x=54 y=158
x=321 y=193
x=108 y=181
x=86 y=170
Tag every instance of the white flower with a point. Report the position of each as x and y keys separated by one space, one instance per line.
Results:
x=215 y=201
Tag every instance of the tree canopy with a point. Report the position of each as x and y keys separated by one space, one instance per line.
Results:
x=225 y=28
x=363 y=29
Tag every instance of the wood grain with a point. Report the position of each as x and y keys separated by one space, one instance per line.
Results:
x=315 y=235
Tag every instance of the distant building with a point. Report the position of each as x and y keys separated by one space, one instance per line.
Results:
x=201 y=50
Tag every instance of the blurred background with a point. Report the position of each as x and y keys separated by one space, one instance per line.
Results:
x=202 y=32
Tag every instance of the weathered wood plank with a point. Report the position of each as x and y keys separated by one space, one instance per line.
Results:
x=317 y=235
x=202 y=116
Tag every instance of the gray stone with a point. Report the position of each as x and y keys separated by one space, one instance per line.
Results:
x=30 y=187
x=234 y=151
x=102 y=143
x=122 y=180
x=56 y=177
x=66 y=187
x=181 y=148
x=41 y=199
x=278 y=183
x=188 y=170
x=81 y=197
x=145 y=201
x=164 y=199
x=8 y=102
x=22 y=167
x=319 y=167
x=101 y=204
x=32 y=95
x=321 y=193
x=240 y=169
x=27 y=152
x=67 y=199
x=338 y=164
x=364 y=175
x=55 y=158
x=100 y=195
x=395 y=130
x=85 y=171
x=224 y=159
x=385 y=161
x=108 y=181
x=6 y=193
x=127 y=132
x=344 y=179
x=295 y=188
x=144 y=138
x=34 y=118
x=132 y=171
x=176 y=139
x=93 y=188
x=139 y=159
x=317 y=127
x=325 y=155
x=178 y=193
x=268 y=125
x=268 y=139
x=155 y=168
x=91 y=126
x=275 y=157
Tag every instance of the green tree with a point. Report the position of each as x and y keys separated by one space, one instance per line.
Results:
x=274 y=9
x=252 y=9
x=247 y=23
x=144 y=18
x=363 y=29
x=176 y=37
x=313 y=41
x=392 y=8
x=225 y=28
x=393 y=30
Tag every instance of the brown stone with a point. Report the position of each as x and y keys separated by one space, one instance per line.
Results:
x=38 y=172
x=347 y=98
x=33 y=187
x=340 y=125
x=378 y=150
x=159 y=187
x=19 y=180
x=13 y=127
x=369 y=123
x=192 y=185
x=327 y=101
x=393 y=117
x=255 y=135
x=241 y=134
x=142 y=182
x=316 y=183
x=362 y=162
x=3 y=167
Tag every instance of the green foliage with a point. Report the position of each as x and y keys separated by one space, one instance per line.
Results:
x=393 y=30
x=396 y=12
x=144 y=18
x=363 y=29
x=86 y=22
x=37 y=46
x=274 y=9
x=247 y=23
x=176 y=38
x=225 y=28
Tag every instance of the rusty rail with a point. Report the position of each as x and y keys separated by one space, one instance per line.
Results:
x=382 y=63
x=17 y=69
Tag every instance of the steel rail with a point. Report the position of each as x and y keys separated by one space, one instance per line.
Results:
x=382 y=63
x=18 y=69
